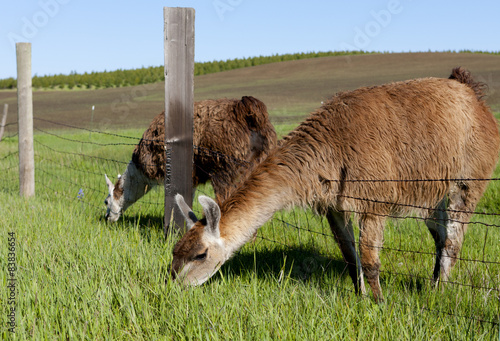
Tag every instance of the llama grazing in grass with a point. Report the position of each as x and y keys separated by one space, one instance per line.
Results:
x=229 y=136
x=405 y=132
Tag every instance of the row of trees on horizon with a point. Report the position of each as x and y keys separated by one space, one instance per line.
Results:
x=147 y=75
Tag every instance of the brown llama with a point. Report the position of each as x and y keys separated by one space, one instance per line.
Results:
x=229 y=135
x=405 y=132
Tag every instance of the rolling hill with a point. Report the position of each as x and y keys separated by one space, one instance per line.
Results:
x=290 y=89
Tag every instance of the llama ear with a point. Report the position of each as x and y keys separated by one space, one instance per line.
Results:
x=186 y=211
x=111 y=187
x=212 y=214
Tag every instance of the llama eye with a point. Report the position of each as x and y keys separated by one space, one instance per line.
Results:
x=201 y=256
x=106 y=202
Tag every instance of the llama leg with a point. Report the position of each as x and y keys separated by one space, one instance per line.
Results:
x=371 y=238
x=341 y=226
x=436 y=224
x=462 y=202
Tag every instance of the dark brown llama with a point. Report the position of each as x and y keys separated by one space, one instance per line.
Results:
x=229 y=136
x=409 y=133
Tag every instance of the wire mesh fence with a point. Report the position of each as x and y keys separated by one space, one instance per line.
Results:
x=71 y=163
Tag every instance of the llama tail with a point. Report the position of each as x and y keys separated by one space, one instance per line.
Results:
x=465 y=77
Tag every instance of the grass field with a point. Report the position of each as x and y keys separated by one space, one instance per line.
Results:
x=79 y=278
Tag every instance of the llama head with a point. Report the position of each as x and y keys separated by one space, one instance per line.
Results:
x=114 y=201
x=201 y=251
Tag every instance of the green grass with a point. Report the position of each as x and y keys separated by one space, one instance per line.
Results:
x=81 y=278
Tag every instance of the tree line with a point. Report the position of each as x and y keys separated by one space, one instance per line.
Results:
x=146 y=75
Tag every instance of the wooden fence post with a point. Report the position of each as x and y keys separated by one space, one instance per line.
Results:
x=179 y=107
x=25 y=120
x=4 y=119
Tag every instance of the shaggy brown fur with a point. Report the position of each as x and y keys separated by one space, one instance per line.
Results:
x=229 y=135
x=372 y=151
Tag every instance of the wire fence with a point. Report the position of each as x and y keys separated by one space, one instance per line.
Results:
x=10 y=130
x=71 y=163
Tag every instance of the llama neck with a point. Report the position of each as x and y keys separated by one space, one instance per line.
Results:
x=134 y=185
x=252 y=205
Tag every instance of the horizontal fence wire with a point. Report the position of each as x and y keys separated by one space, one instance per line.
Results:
x=83 y=129
x=423 y=207
x=9 y=124
x=9 y=171
x=71 y=166
x=83 y=142
x=9 y=156
x=10 y=131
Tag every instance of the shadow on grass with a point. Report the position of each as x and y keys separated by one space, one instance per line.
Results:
x=306 y=264
x=411 y=284
x=303 y=264
x=146 y=223
x=299 y=263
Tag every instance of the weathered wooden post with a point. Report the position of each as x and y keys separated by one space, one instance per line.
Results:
x=179 y=107
x=25 y=120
